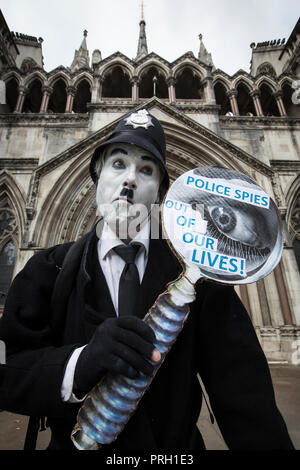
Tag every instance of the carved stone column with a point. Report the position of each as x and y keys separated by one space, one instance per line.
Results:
x=232 y=94
x=97 y=88
x=47 y=90
x=171 y=82
x=135 y=81
x=70 y=98
x=21 y=98
x=209 y=89
x=255 y=94
x=278 y=96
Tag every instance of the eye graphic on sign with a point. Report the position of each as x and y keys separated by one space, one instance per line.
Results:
x=224 y=218
x=237 y=239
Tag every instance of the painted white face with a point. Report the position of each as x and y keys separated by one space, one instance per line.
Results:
x=129 y=179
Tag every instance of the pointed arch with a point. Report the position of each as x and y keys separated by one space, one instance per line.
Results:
x=12 y=222
x=12 y=74
x=186 y=65
x=267 y=99
x=223 y=81
x=264 y=80
x=11 y=93
x=34 y=95
x=82 y=75
x=187 y=149
x=58 y=97
x=222 y=97
x=197 y=68
x=59 y=75
x=82 y=96
x=244 y=99
x=285 y=81
x=15 y=198
x=244 y=81
x=69 y=210
x=118 y=62
x=35 y=75
x=116 y=82
x=188 y=83
x=146 y=87
x=143 y=69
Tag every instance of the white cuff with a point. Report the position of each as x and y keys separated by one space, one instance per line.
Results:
x=68 y=381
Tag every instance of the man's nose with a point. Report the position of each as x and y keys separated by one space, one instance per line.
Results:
x=130 y=179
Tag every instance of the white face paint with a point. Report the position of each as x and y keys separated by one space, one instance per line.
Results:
x=129 y=180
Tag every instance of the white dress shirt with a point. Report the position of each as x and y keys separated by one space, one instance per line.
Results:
x=112 y=266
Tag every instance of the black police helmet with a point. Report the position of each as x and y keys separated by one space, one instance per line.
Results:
x=143 y=130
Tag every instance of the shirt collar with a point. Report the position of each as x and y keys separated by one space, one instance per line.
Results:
x=109 y=240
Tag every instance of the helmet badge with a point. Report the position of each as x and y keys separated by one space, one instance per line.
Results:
x=139 y=119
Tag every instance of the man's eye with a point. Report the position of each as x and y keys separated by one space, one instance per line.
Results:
x=147 y=170
x=119 y=164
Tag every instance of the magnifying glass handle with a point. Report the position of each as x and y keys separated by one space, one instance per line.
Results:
x=111 y=403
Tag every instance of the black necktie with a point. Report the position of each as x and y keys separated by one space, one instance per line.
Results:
x=129 y=280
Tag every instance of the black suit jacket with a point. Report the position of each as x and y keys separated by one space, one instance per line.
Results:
x=50 y=311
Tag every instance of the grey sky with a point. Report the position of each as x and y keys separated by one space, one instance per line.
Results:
x=172 y=26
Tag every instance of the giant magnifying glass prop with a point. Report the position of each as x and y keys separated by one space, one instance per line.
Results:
x=222 y=227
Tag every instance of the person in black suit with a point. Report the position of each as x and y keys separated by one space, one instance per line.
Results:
x=67 y=321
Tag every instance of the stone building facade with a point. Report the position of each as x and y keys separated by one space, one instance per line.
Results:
x=50 y=123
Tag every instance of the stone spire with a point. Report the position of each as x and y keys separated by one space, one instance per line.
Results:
x=81 y=57
x=203 y=55
x=142 y=49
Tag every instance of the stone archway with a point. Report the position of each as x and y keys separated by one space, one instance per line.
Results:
x=68 y=210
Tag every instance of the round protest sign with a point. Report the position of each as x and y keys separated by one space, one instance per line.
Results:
x=224 y=223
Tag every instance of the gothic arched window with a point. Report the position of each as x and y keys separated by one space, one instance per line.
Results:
x=32 y=103
x=245 y=101
x=12 y=93
x=8 y=224
x=8 y=256
x=222 y=98
x=149 y=87
x=8 y=251
x=58 y=98
x=268 y=102
x=188 y=86
x=82 y=97
x=116 y=84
